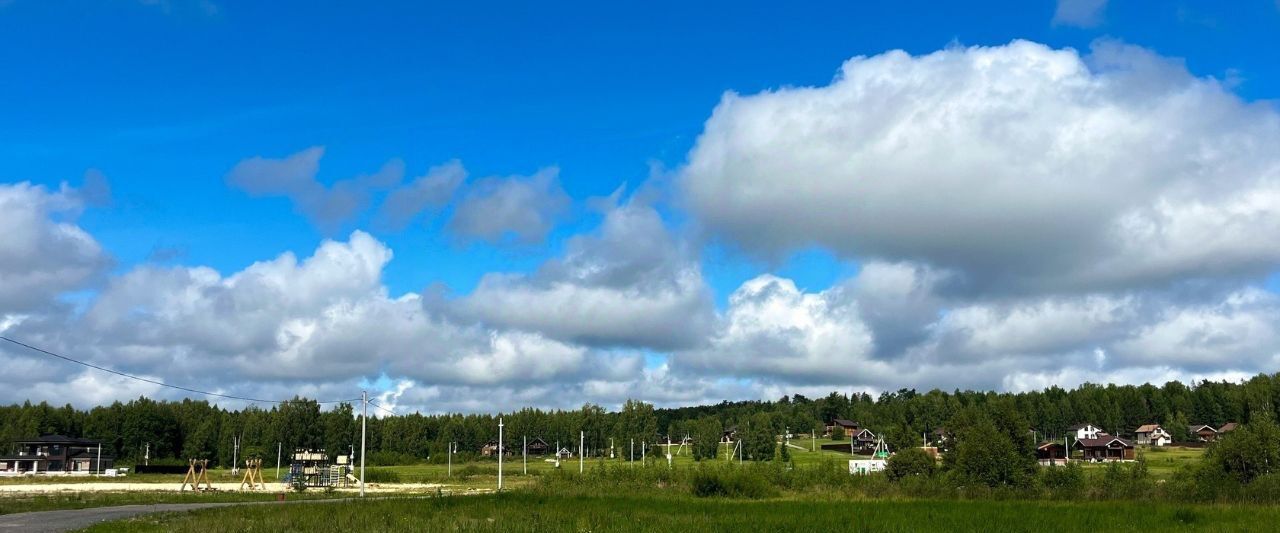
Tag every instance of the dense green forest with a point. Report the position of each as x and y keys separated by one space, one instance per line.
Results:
x=196 y=428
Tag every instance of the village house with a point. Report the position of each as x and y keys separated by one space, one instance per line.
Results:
x=1203 y=432
x=1152 y=435
x=850 y=427
x=57 y=454
x=1105 y=448
x=1086 y=431
x=729 y=435
x=490 y=449
x=1227 y=428
x=939 y=437
x=1051 y=453
x=537 y=446
x=864 y=441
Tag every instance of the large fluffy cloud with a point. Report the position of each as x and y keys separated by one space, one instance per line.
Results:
x=776 y=333
x=1019 y=167
x=43 y=253
x=1019 y=216
x=631 y=283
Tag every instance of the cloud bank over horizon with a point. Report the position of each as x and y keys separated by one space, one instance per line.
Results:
x=1018 y=216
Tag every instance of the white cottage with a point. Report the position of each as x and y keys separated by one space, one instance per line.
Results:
x=1152 y=435
x=1086 y=431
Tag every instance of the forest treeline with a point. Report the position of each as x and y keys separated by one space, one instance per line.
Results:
x=177 y=430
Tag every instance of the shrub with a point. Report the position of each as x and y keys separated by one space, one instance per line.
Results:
x=910 y=462
x=1249 y=452
x=1060 y=481
x=730 y=482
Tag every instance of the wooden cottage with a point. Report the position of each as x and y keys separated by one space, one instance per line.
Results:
x=1105 y=448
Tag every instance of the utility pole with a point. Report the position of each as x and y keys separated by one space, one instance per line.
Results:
x=499 y=453
x=582 y=445
x=524 y=455
x=364 y=422
x=99 y=458
x=668 y=449
x=633 y=452
x=146 y=459
x=235 y=454
x=279 y=452
x=450 y=454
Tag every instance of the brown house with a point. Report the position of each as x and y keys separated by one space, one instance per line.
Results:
x=538 y=446
x=1203 y=432
x=490 y=449
x=57 y=454
x=1051 y=453
x=1106 y=448
x=1227 y=428
x=850 y=427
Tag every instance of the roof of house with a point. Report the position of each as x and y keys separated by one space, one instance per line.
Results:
x=1147 y=428
x=1103 y=442
x=1195 y=428
x=1229 y=426
x=58 y=439
x=1049 y=444
x=844 y=423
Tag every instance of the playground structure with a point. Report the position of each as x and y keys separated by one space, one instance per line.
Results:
x=311 y=468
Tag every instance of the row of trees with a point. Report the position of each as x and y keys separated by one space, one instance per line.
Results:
x=191 y=428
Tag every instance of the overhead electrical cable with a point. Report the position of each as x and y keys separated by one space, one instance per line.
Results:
x=154 y=382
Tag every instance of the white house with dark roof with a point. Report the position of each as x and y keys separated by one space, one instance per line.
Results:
x=1086 y=431
x=1152 y=435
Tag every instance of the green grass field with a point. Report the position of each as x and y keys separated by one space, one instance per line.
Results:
x=533 y=511
x=1162 y=462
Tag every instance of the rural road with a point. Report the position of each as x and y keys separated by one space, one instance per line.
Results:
x=69 y=519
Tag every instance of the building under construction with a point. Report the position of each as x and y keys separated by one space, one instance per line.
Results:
x=312 y=468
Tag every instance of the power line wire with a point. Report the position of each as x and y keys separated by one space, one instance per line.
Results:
x=154 y=382
x=375 y=404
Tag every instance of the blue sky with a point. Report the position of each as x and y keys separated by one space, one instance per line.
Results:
x=165 y=100
x=166 y=97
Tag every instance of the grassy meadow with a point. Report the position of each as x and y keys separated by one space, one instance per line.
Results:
x=658 y=512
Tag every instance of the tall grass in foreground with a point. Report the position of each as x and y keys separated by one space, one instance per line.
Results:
x=830 y=479
x=617 y=511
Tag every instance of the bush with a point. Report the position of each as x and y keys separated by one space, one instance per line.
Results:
x=729 y=482
x=1249 y=452
x=1061 y=481
x=910 y=462
x=838 y=433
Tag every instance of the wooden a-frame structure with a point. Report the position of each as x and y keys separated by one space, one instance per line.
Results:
x=253 y=475
x=196 y=476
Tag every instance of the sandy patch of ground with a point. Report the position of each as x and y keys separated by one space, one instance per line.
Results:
x=221 y=487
